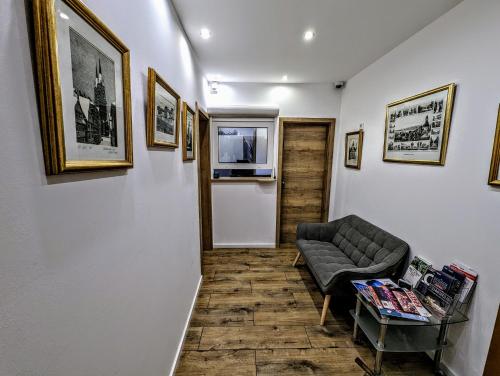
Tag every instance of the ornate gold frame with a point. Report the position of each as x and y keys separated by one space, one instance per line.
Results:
x=495 y=156
x=153 y=79
x=446 y=130
x=49 y=86
x=360 y=149
x=185 y=109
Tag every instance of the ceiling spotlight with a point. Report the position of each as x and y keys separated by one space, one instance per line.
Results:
x=205 y=33
x=64 y=16
x=214 y=87
x=309 y=35
x=284 y=78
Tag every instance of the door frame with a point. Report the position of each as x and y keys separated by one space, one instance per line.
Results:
x=291 y=121
x=204 y=208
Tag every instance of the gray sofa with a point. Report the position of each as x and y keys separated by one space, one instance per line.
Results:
x=346 y=249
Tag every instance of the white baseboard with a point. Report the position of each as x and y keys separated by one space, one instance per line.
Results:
x=447 y=371
x=186 y=327
x=244 y=245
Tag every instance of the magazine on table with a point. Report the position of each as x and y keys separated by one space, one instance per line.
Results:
x=392 y=300
x=417 y=268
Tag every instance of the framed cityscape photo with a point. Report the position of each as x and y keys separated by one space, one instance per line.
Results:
x=84 y=89
x=494 y=178
x=164 y=106
x=417 y=128
x=188 y=133
x=353 y=149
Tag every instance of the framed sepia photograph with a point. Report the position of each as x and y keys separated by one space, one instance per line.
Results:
x=353 y=149
x=417 y=128
x=494 y=178
x=84 y=89
x=188 y=133
x=164 y=106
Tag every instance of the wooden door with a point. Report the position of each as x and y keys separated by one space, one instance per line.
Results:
x=492 y=366
x=204 y=181
x=305 y=161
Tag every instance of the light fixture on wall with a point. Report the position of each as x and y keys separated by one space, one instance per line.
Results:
x=214 y=87
x=284 y=78
x=205 y=33
x=309 y=35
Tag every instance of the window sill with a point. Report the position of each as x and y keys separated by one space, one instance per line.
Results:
x=244 y=180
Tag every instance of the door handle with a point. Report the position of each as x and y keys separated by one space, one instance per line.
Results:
x=283 y=183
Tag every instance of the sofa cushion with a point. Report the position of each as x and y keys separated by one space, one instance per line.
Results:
x=363 y=243
x=324 y=259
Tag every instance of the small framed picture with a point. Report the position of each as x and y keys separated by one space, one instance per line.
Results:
x=417 y=128
x=353 y=149
x=84 y=89
x=188 y=133
x=494 y=178
x=164 y=105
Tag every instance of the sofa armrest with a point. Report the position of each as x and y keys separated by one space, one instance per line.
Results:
x=323 y=232
x=388 y=269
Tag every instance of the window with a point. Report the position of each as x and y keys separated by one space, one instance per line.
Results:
x=242 y=144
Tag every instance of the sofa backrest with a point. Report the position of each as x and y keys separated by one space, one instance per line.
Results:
x=366 y=244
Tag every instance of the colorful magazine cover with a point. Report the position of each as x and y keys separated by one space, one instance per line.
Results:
x=383 y=293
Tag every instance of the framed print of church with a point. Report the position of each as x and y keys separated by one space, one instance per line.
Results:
x=84 y=89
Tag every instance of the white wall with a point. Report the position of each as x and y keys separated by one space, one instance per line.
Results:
x=445 y=213
x=98 y=271
x=244 y=214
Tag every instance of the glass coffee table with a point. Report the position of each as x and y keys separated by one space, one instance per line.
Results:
x=387 y=334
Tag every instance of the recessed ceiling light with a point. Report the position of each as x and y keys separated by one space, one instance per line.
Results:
x=205 y=33
x=64 y=16
x=284 y=78
x=309 y=35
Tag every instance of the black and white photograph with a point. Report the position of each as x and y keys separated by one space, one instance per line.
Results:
x=417 y=128
x=188 y=133
x=163 y=112
x=494 y=176
x=94 y=93
x=87 y=123
x=353 y=149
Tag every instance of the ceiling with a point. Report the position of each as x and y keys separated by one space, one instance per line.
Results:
x=262 y=40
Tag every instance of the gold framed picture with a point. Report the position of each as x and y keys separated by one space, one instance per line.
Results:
x=164 y=105
x=353 y=149
x=417 y=128
x=188 y=133
x=494 y=178
x=84 y=89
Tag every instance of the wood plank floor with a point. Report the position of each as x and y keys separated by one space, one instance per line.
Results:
x=258 y=315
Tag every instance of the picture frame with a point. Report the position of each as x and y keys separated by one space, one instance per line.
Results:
x=494 y=178
x=164 y=106
x=188 y=133
x=417 y=128
x=83 y=73
x=353 y=149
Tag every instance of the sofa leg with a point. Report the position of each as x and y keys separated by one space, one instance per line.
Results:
x=326 y=304
x=296 y=259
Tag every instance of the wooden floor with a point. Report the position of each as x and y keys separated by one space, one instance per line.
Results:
x=258 y=315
